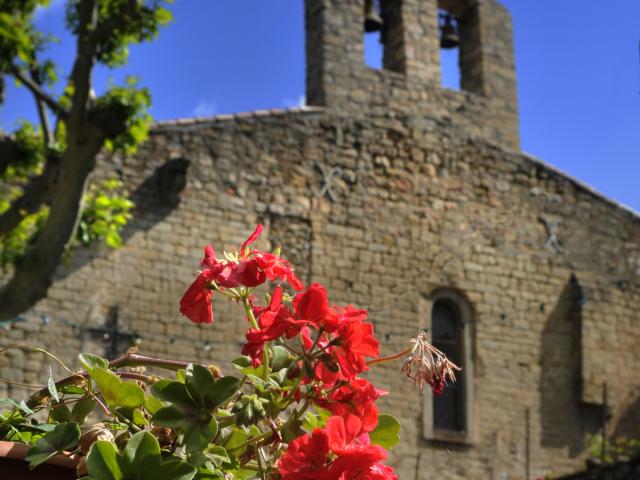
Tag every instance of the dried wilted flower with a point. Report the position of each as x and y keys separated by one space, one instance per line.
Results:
x=427 y=364
x=166 y=436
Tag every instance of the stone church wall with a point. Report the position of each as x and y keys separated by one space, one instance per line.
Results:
x=410 y=206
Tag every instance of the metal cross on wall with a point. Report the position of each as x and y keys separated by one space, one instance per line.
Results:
x=551 y=225
x=327 y=178
x=111 y=335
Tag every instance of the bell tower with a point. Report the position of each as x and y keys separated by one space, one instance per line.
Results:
x=410 y=78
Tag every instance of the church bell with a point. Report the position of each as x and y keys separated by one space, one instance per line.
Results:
x=449 y=34
x=372 y=21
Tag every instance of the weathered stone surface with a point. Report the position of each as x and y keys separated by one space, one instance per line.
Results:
x=385 y=202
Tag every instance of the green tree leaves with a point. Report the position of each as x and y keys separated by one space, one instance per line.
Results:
x=105 y=214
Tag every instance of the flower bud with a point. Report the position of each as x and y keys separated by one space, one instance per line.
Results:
x=248 y=410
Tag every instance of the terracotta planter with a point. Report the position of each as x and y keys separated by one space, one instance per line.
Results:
x=12 y=465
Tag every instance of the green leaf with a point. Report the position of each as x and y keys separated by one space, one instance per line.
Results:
x=242 y=474
x=310 y=422
x=242 y=362
x=196 y=438
x=223 y=390
x=142 y=454
x=113 y=239
x=199 y=383
x=152 y=404
x=102 y=462
x=234 y=439
x=205 y=390
x=218 y=455
x=63 y=437
x=89 y=362
x=51 y=386
x=82 y=408
x=173 y=470
x=115 y=391
x=173 y=417
x=71 y=390
x=280 y=359
x=173 y=392
x=138 y=417
x=387 y=432
x=59 y=412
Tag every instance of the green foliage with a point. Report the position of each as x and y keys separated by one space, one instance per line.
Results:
x=387 y=433
x=63 y=437
x=30 y=159
x=132 y=103
x=137 y=22
x=116 y=392
x=615 y=449
x=14 y=245
x=140 y=460
x=17 y=35
x=192 y=404
x=106 y=212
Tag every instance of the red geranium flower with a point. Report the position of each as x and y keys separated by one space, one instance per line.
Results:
x=196 y=301
x=356 y=341
x=252 y=268
x=313 y=306
x=305 y=457
x=355 y=398
x=269 y=265
x=274 y=321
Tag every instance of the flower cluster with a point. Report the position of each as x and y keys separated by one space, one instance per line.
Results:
x=247 y=268
x=329 y=347
x=340 y=451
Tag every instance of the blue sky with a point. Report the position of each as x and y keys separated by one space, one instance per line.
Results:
x=578 y=66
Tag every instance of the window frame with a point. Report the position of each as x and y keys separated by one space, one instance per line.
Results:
x=463 y=308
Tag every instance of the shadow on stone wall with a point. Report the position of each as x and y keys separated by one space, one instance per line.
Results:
x=565 y=420
x=628 y=424
x=154 y=199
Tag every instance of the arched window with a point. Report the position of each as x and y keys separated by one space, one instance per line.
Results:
x=446 y=335
x=448 y=417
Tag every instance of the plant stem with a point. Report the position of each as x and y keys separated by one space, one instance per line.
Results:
x=390 y=358
x=250 y=315
x=134 y=360
x=254 y=324
x=259 y=460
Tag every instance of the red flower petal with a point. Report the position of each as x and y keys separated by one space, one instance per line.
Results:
x=252 y=238
x=196 y=301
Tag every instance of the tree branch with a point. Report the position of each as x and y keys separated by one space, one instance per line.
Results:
x=34 y=274
x=39 y=92
x=42 y=113
x=80 y=76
